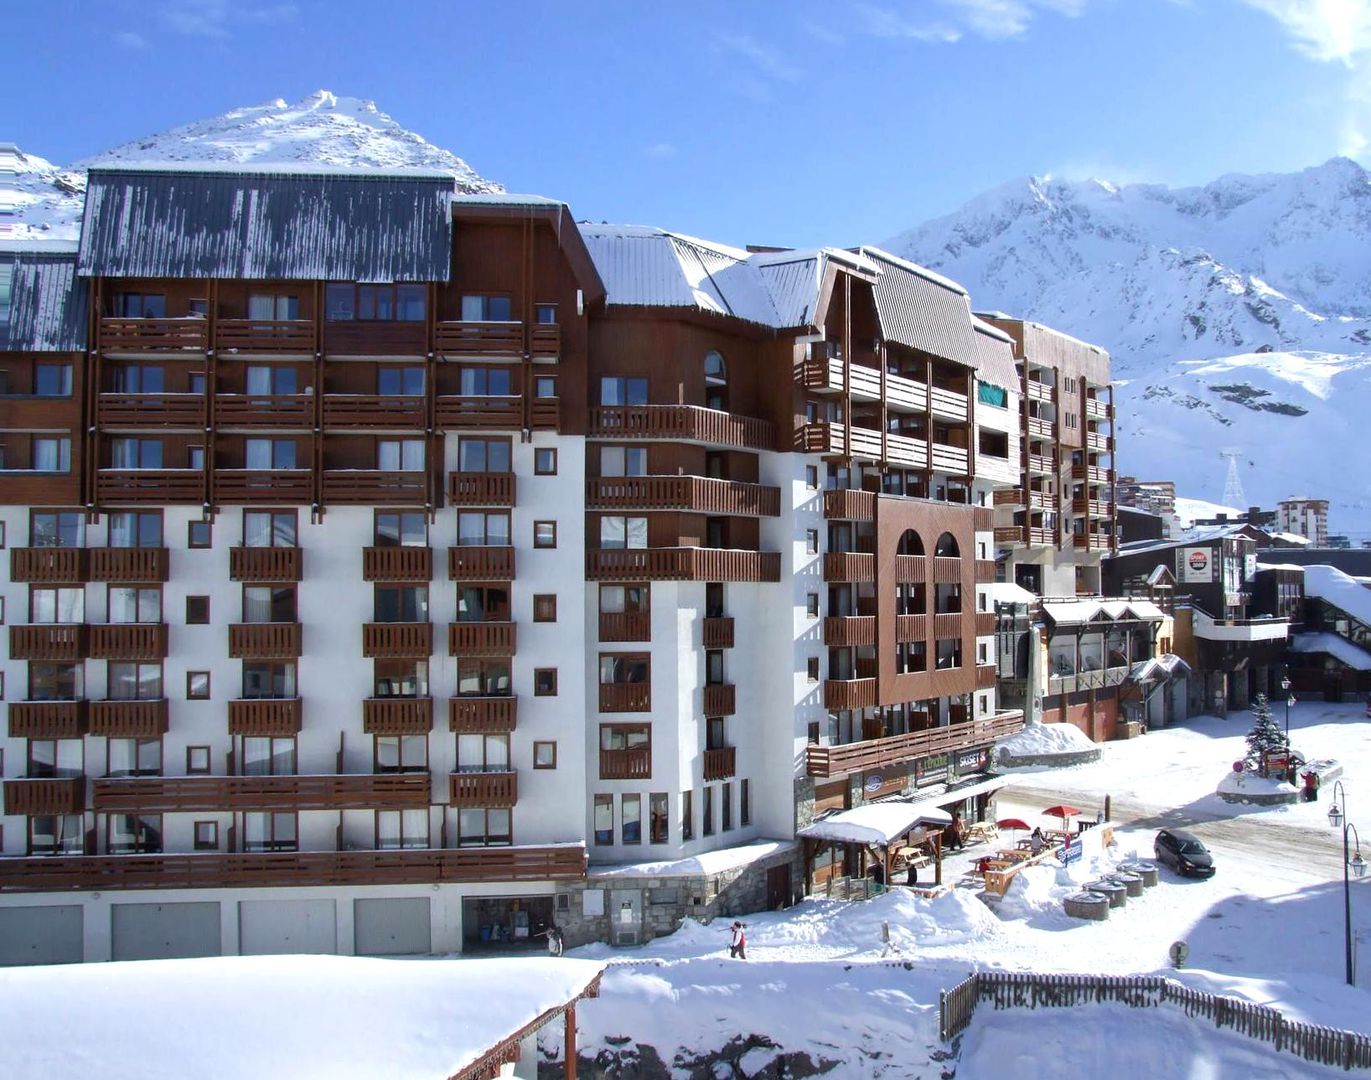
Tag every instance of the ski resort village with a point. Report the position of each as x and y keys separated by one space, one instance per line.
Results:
x=448 y=637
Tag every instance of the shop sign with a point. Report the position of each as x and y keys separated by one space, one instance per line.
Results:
x=930 y=769
x=1071 y=851
x=887 y=782
x=1196 y=566
x=973 y=760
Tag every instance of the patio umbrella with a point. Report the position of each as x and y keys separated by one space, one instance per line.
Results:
x=1012 y=823
x=1062 y=812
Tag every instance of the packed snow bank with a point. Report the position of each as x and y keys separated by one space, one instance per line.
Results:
x=1046 y=744
x=1253 y=787
x=710 y=862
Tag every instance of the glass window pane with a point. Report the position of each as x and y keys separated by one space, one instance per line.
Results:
x=612 y=461
x=500 y=382
x=339 y=303
x=471 y=455
x=256 y=528
x=498 y=309
x=612 y=532
x=412 y=459
x=636 y=532
x=497 y=530
x=473 y=308
x=258 y=454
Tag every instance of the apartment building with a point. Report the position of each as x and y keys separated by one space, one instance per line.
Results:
x=713 y=538
x=1304 y=517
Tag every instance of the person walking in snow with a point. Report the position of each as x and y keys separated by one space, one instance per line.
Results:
x=737 y=947
x=554 y=941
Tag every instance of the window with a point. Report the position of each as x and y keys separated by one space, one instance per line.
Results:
x=483 y=455
x=475 y=527
x=624 y=599
x=268 y=603
x=631 y=818
x=6 y=290
x=545 y=682
x=623 y=461
x=136 y=379
x=482 y=753
x=197 y=610
x=197 y=685
x=374 y=303
x=657 y=810
x=400 y=381
x=714 y=600
x=130 y=453
x=57 y=605
x=195 y=457
x=604 y=819
x=714 y=667
x=544 y=754
x=62 y=834
x=401 y=603
x=545 y=534
x=621 y=668
x=408 y=528
x=54 y=455
x=626 y=737
x=52 y=380
x=687 y=815
x=135 y=529
x=133 y=681
x=812 y=605
x=134 y=834
x=401 y=678
x=51 y=759
x=200 y=534
x=545 y=461
x=135 y=604
x=263 y=455
x=207 y=836
x=545 y=314
x=133 y=757
x=272 y=308
x=482 y=308
x=270 y=380
x=484 y=828
x=485 y=382
x=56 y=529
x=812 y=668
x=401 y=829
x=268 y=756
x=725 y=807
x=400 y=753
x=486 y=678
x=545 y=387
x=622 y=532
x=53 y=681
x=400 y=455
x=617 y=390
x=812 y=541
x=744 y=803
x=275 y=830
x=707 y=812
x=482 y=603
x=811 y=476
x=269 y=528
x=197 y=760
x=140 y=305
x=545 y=607
x=267 y=679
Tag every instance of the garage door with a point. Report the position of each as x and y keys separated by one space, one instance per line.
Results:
x=391 y=927
x=165 y=931
x=41 y=935
x=287 y=926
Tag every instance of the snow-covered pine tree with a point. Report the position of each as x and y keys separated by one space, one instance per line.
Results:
x=1265 y=738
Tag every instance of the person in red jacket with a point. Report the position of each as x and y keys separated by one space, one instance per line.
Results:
x=737 y=948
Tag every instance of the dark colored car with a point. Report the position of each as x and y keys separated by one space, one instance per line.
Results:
x=1183 y=852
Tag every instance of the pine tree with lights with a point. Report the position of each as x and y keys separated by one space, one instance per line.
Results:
x=1265 y=738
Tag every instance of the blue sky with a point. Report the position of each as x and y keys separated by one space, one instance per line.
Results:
x=833 y=121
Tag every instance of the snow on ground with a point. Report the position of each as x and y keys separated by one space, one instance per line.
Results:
x=1039 y=739
x=1192 y=510
x=1251 y=783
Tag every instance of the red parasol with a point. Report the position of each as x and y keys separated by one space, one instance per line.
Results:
x=1062 y=812
x=1012 y=823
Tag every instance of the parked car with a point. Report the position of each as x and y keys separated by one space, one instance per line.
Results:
x=1183 y=852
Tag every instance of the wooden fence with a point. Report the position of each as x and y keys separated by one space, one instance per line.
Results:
x=1010 y=989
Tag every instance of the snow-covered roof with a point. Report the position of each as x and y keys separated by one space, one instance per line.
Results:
x=503 y=198
x=1158 y=667
x=926 y=311
x=1006 y=592
x=707 y=863
x=874 y=823
x=47 y=302
x=1292 y=538
x=278 y=168
x=1193 y=538
x=1336 y=646
x=1073 y=612
x=1332 y=586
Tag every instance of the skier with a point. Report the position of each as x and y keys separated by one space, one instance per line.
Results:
x=737 y=948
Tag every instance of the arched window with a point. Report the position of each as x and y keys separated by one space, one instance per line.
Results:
x=716 y=381
x=947 y=547
x=910 y=544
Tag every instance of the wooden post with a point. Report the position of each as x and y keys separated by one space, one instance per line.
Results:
x=570 y=1015
x=937 y=858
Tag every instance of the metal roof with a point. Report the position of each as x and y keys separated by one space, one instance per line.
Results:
x=47 y=302
x=926 y=311
x=995 y=356
x=339 y=226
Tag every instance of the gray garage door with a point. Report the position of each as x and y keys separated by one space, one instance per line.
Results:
x=165 y=931
x=287 y=926
x=391 y=927
x=41 y=935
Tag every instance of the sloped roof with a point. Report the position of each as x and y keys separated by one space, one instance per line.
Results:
x=335 y=226
x=874 y=823
x=995 y=359
x=1332 y=586
x=48 y=302
x=1075 y=612
x=924 y=310
x=1347 y=652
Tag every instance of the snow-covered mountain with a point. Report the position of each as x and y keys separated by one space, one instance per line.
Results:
x=1238 y=315
x=321 y=129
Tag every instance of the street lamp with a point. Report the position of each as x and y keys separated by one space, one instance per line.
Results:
x=1285 y=688
x=1356 y=864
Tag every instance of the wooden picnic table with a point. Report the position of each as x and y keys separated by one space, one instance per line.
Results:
x=982 y=830
x=916 y=857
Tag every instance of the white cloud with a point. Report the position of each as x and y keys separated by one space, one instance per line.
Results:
x=948 y=21
x=217 y=18
x=1324 y=29
x=661 y=151
x=764 y=60
x=128 y=39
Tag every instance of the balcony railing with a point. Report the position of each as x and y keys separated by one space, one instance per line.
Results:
x=397 y=564
x=850 y=631
x=947 y=571
x=52 y=795
x=720 y=763
x=1096 y=508
x=682 y=564
x=1095 y=474
x=948 y=404
x=850 y=566
x=1090 y=542
x=1037 y=391
x=366 y=791
x=476 y=413
x=850 y=693
x=48 y=719
x=625 y=626
x=270 y=564
x=283 y=336
x=985 y=676
x=481 y=639
x=48 y=641
x=1010 y=534
x=188 y=335
x=130 y=566
x=397 y=640
x=366 y=337
x=491 y=790
x=951 y=459
x=151 y=410
x=985 y=623
x=849 y=505
x=949 y=624
x=397 y=716
x=720 y=699
x=480 y=563
x=49 y=565
x=380 y=411
x=1011 y=498
x=1100 y=443
x=480 y=489
x=1040 y=463
x=130 y=719
x=717 y=632
x=127 y=641
x=375 y=487
x=154 y=486
x=909 y=628
x=262 y=487
x=279 y=717
x=626 y=697
x=264 y=410
x=985 y=571
x=911 y=569
x=1097 y=409
x=826 y=438
x=497 y=339
x=492 y=715
x=685 y=423
x=264 y=641
x=826 y=761
x=1041 y=429
x=699 y=494
x=633 y=764
x=496 y=865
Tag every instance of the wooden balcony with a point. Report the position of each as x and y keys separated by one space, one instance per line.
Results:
x=1009 y=534
x=135 y=336
x=546 y=414
x=626 y=697
x=264 y=641
x=454 y=412
x=1097 y=409
x=266 y=564
x=849 y=505
x=697 y=494
x=500 y=340
x=294 y=869
x=908 y=628
x=828 y=761
x=1091 y=542
x=130 y=566
x=278 y=717
x=717 y=632
x=209 y=794
x=850 y=693
x=130 y=719
x=366 y=337
x=375 y=487
x=682 y=423
x=480 y=489
x=911 y=569
x=720 y=763
x=948 y=404
x=947 y=571
x=52 y=795
x=151 y=410
x=138 y=487
x=397 y=640
x=625 y=626
x=1041 y=429
x=397 y=564
x=985 y=571
x=720 y=699
x=48 y=641
x=1037 y=391
x=850 y=566
x=481 y=639
x=1038 y=537
x=850 y=631
x=985 y=623
x=985 y=676
x=280 y=337
x=491 y=790
x=397 y=716
x=127 y=641
x=1099 y=442
x=1009 y=498
x=1096 y=508
x=949 y=624
x=48 y=719
x=49 y=565
x=1094 y=474
x=633 y=764
x=264 y=410
x=385 y=412
x=477 y=563
x=859 y=442
x=259 y=487
x=1041 y=464
x=682 y=564
x=494 y=715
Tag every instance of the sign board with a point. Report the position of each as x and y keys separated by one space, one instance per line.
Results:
x=1070 y=851
x=973 y=760
x=930 y=770
x=593 y=902
x=1195 y=566
x=1249 y=566
x=886 y=782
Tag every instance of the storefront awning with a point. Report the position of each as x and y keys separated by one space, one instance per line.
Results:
x=875 y=823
